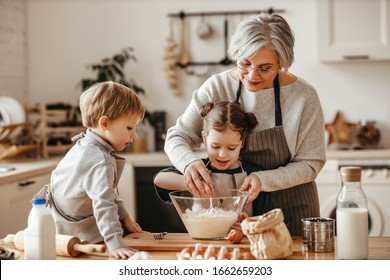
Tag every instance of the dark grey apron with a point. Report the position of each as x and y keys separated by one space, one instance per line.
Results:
x=225 y=181
x=268 y=148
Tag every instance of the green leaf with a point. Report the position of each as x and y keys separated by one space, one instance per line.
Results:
x=118 y=71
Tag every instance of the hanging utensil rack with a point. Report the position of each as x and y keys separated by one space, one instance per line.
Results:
x=182 y=15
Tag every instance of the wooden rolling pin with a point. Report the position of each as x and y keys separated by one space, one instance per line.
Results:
x=66 y=245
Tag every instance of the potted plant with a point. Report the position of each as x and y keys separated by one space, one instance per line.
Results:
x=112 y=69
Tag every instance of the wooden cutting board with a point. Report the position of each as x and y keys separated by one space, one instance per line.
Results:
x=176 y=242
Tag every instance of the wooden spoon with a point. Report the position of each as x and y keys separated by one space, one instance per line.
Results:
x=183 y=57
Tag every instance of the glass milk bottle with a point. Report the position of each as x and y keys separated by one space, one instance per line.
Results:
x=39 y=236
x=352 y=216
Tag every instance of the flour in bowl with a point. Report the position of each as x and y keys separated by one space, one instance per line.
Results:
x=205 y=224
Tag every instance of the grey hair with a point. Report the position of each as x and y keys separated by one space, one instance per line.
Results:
x=255 y=32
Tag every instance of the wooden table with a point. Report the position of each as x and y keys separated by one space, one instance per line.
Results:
x=166 y=249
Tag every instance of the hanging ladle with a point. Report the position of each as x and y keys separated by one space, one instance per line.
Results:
x=226 y=60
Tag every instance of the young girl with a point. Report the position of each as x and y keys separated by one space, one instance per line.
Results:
x=225 y=126
x=82 y=194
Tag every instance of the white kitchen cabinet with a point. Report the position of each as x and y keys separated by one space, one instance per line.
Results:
x=15 y=202
x=353 y=30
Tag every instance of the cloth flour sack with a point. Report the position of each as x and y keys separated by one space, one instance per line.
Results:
x=268 y=235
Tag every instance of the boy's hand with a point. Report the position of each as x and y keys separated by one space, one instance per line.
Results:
x=252 y=185
x=131 y=226
x=123 y=253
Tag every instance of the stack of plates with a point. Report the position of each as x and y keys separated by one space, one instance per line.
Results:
x=12 y=112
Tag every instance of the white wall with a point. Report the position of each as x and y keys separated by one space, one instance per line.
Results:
x=63 y=36
x=13 y=74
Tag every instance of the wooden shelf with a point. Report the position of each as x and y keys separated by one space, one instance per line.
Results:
x=65 y=129
x=58 y=148
x=47 y=116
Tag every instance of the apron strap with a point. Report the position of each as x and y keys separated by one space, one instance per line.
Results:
x=238 y=92
x=278 y=109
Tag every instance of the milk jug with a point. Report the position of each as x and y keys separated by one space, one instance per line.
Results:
x=39 y=236
x=351 y=217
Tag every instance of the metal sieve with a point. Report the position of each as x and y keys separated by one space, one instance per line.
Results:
x=318 y=234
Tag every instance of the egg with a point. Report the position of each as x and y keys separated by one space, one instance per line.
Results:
x=197 y=254
x=235 y=236
x=210 y=253
x=248 y=256
x=236 y=255
x=223 y=254
x=186 y=252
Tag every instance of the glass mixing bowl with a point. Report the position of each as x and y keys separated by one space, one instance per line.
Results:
x=209 y=218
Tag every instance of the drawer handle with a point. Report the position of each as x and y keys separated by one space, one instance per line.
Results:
x=26 y=183
x=353 y=57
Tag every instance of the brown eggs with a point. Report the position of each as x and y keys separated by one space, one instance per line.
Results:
x=235 y=236
x=223 y=254
x=236 y=254
x=212 y=253
x=198 y=252
x=186 y=252
x=248 y=256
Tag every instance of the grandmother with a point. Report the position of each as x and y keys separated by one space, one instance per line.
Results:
x=288 y=142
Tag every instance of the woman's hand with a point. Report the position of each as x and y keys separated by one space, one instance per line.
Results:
x=252 y=185
x=198 y=180
x=123 y=253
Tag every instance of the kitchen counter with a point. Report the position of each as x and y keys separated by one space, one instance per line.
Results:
x=33 y=167
x=26 y=168
x=358 y=154
x=379 y=248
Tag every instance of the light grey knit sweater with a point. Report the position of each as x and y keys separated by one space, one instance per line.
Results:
x=303 y=125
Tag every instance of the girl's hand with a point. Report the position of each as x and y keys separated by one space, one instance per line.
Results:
x=237 y=225
x=123 y=253
x=252 y=185
x=198 y=180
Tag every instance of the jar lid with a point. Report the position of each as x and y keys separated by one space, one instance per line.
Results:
x=351 y=173
x=38 y=200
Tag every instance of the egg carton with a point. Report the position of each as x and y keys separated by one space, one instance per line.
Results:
x=211 y=253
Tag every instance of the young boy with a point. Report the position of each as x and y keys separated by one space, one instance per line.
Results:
x=83 y=195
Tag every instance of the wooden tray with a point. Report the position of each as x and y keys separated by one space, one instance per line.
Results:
x=176 y=242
